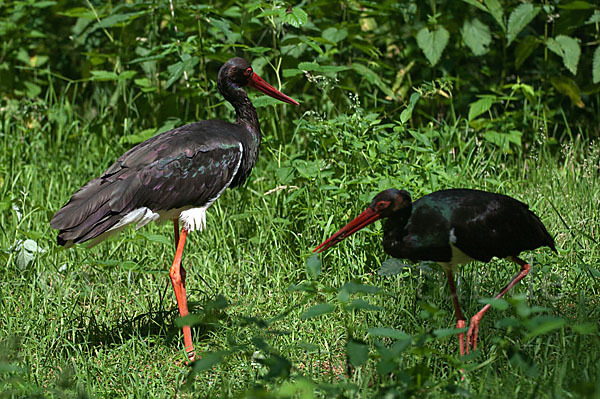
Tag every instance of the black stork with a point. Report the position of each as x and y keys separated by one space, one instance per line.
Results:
x=175 y=175
x=453 y=227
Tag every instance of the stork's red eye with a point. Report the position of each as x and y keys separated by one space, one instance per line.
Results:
x=381 y=205
x=248 y=72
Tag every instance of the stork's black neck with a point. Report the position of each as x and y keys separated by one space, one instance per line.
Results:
x=393 y=231
x=244 y=110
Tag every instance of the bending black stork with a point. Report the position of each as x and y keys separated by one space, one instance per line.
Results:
x=453 y=227
x=175 y=175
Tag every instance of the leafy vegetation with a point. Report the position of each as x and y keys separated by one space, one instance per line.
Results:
x=498 y=95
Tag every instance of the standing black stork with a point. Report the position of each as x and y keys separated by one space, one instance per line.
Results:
x=453 y=227
x=175 y=175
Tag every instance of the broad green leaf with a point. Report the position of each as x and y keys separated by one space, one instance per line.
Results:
x=499 y=303
x=155 y=237
x=104 y=76
x=495 y=8
x=576 y=5
x=313 y=266
x=568 y=87
x=596 y=66
x=543 y=324
x=391 y=267
x=335 y=35
x=372 y=77
x=594 y=19
x=207 y=360
x=479 y=107
x=568 y=48
x=388 y=333
x=585 y=328
x=358 y=353
x=317 y=310
x=433 y=43
x=476 y=36
x=295 y=17
x=78 y=12
x=43 y=4
x=446 y=332
x=524 y=49
x=361 y=304
x=299 y=388
x=119 y=19
x=519 y=19
x=477 y=4
x=353 y=287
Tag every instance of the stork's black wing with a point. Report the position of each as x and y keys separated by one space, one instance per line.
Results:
x=187 y=166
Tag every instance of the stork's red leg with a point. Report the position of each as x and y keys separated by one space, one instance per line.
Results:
x=460 y=317
x=474 y=327
x=176 y=229
x=180 y=294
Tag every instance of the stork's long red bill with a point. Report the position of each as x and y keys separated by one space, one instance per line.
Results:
x=260 y=84
x=367 y=217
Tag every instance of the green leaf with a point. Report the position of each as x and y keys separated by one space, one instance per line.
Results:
x=391 y=267
x=433 y=43
x=361 y=304
x=358 y=353
x=524 y=49
x=295 y=17
x=78 y=12
x=388 y=333
x=519 y=19
x=495 y=8
x=568 y=48
x=446 y=332
x=585 y=328
x=157 y=238
x=499 y=304
x=104 y=76
x=596 y=66
x=543 y=324
x=207 y=360
x=477 y=4
x=353 y=287
x=313 y=266
x=476 y=36
x=335 y=35
x=576 y=5
x=317 y=310
x=568 y=87
x=372 y=77
x=479 y=107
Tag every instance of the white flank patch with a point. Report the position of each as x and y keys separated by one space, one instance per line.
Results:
x=452 y=237
x=194 y=218
x=141 y=216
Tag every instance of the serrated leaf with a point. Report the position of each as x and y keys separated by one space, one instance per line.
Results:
x=388 y=333
x=297 y=17
x=313 y=266
x=568 y=87
x=568 y=48
x=519 y=19
x=524 y=49
x=499 y=304
x=433 y=43
x=596 y=66
x=495 y=8
x=476 y=36
x=479 y=107
x=391 y=267
x=317 y=310
x=477 y=4
x=358 y=353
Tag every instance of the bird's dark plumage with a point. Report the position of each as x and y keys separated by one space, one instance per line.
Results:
x=479 y=223
x=187 y=167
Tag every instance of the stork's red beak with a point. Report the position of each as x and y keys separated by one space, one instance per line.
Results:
x=367 y=217
x=259 y=83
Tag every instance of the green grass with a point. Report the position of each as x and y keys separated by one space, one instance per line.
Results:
x=96 y=323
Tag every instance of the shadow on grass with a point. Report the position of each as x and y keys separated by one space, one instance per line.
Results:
x=165 y=324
